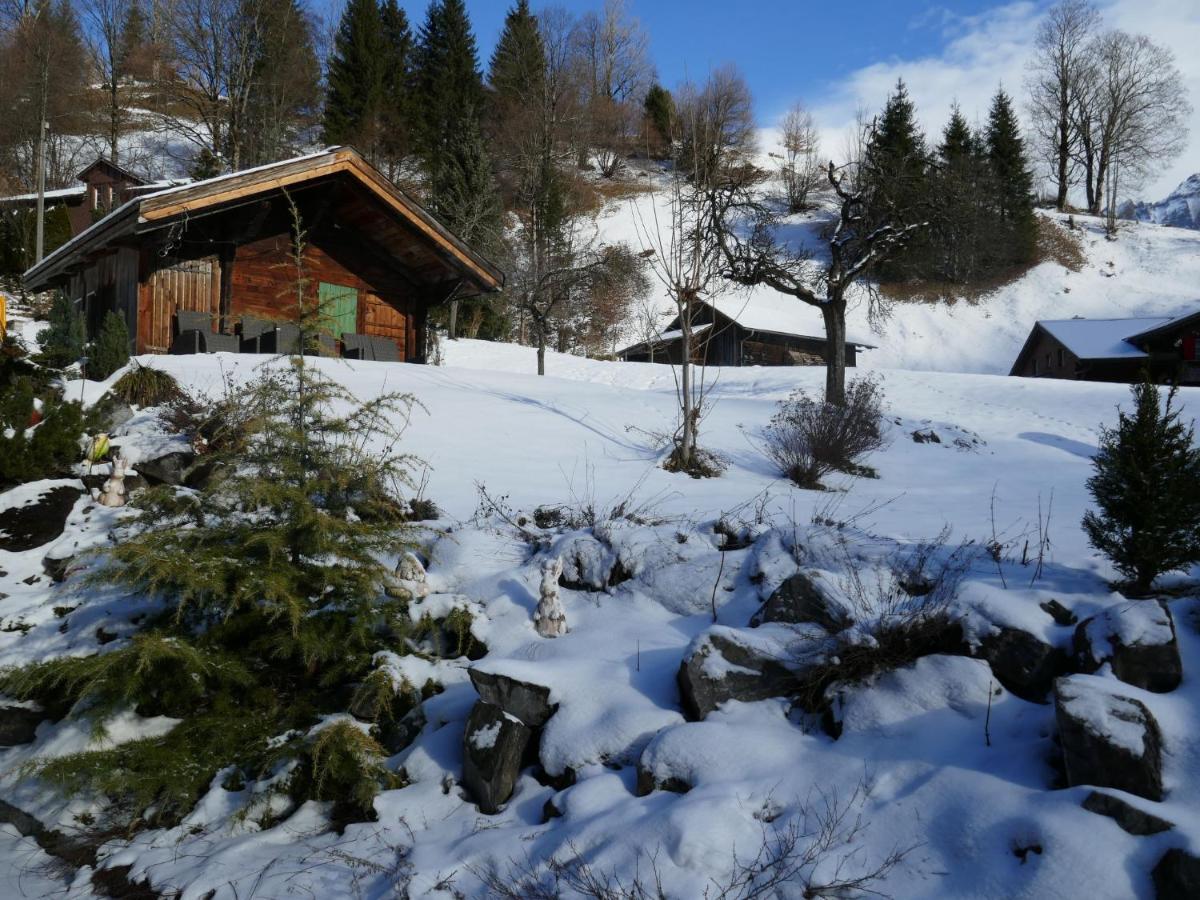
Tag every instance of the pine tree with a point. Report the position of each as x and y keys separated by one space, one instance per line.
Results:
x=449 y=95
x=518 y=66
x=960 y=214
x=1146 y=473
x=397 y=109
x=355 y=98
x=286 y=99
x=63 y=341
x=1013 y=184
x=658 y=111
x=898 y=191
x=133 y=43
x=111 y=348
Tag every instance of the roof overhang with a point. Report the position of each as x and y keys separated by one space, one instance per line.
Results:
x=162 y=208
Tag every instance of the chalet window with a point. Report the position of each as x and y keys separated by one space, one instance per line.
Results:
x=95 y=192
x=108 y=197
x=1062 y=357
x=339 y=308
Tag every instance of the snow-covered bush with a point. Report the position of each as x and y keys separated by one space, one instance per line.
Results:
x=1146 y=475
x=807 y=439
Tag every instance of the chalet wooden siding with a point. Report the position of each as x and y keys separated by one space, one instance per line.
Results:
x=225 y=247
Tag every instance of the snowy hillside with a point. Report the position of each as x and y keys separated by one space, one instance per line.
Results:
x=1180 y=209
x=1149 y=270
x=937 y=768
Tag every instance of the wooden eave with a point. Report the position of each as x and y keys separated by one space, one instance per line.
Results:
x=160 y=210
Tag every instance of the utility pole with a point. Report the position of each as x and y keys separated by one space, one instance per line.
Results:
x=41 y=191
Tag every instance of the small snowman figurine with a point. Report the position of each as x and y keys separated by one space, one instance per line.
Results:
x=550 y=619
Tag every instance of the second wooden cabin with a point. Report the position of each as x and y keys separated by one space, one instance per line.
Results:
x=373 y=258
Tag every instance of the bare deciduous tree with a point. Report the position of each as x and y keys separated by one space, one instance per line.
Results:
x=716 y=127
x=105 y=20
x=1055 y=76
x=800 y=167
x=1135 y=109
x=855 y=248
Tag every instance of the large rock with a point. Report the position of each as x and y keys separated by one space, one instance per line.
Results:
x=171 y=468
x=801 y=600
x=25 y=525
x=726 y=664
x=1108 y=740
x=1137 y=639
x=1177 y=876
x=18 y=725
x=493 y=746
x=111 y=412
x=1022 y=662
x=524 y=700
x=1127 y=816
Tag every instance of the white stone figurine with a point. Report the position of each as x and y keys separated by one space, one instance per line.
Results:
x=550 y=619
x=113 y=492
x=411 y=576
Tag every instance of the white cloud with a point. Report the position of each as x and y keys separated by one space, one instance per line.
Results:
x=991 y=49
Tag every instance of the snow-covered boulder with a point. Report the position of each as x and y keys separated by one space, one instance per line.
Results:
x=1127 y=816
x=1022 y=661
x=588 y=563
x=1177 y=876
x=1108 y=740
x=34 y=514
x=738 y=664
x=1137 y=639
x=172 y=468
x=802 y=599
x=493 y=746
x=523 y=700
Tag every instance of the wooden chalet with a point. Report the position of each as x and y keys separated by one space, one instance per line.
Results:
x=760 y=331
x=103 y=186
x=223 y=247
x=1117 y=350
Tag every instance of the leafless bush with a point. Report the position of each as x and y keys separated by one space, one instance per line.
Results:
x=807 y=439
x=816 y=851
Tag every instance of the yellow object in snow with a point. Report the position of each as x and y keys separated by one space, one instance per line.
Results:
x=3 y=316
x=98 y=449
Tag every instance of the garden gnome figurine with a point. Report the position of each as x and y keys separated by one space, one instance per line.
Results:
x=113 y=492
x=550 y=619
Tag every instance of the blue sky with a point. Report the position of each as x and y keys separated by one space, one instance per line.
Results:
x=838 y=56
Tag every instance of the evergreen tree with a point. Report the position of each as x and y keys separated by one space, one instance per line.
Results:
x=133 y=53
x=960 y=202
x=518 y=66
x=357 y=76
x=1146 y=475
x=111 y=348
x=449 y=95
x=658 y=110
x=1013 y=184
x=63 y=341
x=287 y=75
x=397 y=108
x=898 y=160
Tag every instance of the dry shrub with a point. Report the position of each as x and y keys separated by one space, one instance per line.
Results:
x=145 y=386
x=807 y=439
x=1057 y=243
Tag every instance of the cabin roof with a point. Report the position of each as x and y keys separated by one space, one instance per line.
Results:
x=103 y=162
x=1102 y=338
x=1167 y=326
x=160 y=208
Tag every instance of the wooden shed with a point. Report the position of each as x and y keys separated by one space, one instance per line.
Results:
x=758 y=331
x=224 y=247
x=1119 y=350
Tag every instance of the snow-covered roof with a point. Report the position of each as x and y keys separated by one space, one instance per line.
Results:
x=677 y=333
x=1169 y=323
x=775 y=313
x=56 y=194
x=1102 y=338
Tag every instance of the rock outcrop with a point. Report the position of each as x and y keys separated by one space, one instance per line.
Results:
x=727 y=664
x=800 y=600
x=493 y=747
x=1137 y=639
x=1177 y=876
x=1108 y=740
x=1022 y=662
x=1127 y=816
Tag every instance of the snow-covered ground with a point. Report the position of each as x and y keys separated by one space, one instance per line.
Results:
x=912 y=765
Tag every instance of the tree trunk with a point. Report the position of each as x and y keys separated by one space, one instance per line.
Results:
x=452 y=328
x=1064 y=153
x=687 y=435
x=541 y=354
x=834 y=313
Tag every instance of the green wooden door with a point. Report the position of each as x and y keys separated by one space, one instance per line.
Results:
x=339 y=308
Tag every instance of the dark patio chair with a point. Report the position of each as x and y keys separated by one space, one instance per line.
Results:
x=283 y=339
x=251 y=329
x=370 y=346
x=194 y=334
